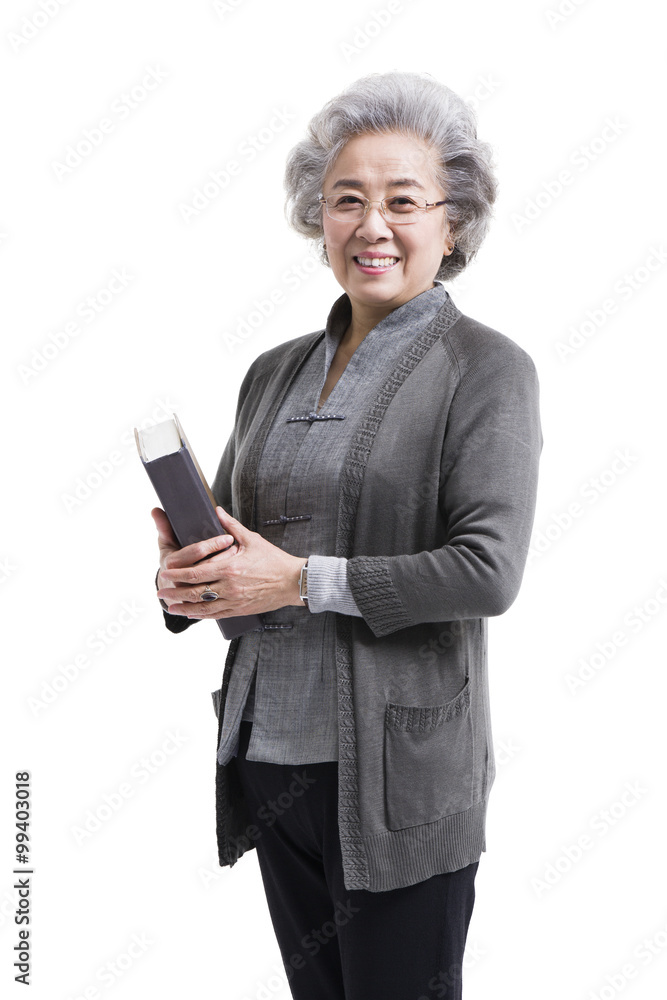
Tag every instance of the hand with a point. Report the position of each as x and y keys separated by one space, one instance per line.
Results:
x=251 y=577
x=168 y=545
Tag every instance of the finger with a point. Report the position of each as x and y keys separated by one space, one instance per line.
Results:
x=189 y=555
x=164 y=529
x=202 y=609
x=234 y=527
x=189 y=595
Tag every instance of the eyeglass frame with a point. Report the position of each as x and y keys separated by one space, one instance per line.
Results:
x=418 y=213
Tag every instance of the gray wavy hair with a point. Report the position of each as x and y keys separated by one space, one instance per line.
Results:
x=409 y=103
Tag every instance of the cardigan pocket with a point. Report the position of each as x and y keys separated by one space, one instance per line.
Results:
x=428 y=761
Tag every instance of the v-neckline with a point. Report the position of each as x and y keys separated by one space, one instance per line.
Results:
x=321 y=401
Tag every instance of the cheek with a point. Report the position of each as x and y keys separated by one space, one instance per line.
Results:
x=332 y=238
x=329 y=233
x=420 y=250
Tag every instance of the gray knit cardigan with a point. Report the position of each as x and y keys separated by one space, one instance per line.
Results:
x=436 y=508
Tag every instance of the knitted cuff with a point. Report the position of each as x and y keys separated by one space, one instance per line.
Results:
x=371 y=583
x=328 y=589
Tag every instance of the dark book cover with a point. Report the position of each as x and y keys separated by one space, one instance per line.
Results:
x=187 y=501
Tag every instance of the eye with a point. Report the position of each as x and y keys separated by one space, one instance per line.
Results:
x=401 y=203
x=347 y=201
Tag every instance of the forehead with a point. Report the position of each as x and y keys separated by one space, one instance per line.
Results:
x=373 y=159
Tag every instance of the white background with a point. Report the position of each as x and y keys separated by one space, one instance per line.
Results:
x=548 y=922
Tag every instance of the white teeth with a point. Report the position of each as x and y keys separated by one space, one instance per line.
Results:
x=377 y=261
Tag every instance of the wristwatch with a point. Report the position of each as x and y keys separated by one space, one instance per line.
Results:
x=303 y=583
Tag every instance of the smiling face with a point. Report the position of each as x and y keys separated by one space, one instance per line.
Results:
x=377 y=167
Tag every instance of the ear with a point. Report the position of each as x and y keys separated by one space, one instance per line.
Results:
x=450 y=242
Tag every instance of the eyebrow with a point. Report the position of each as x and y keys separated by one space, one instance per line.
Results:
x=401 y=182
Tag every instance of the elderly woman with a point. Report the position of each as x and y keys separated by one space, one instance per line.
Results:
x=379 y=485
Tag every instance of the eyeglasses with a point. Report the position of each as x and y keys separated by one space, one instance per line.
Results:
x=400 y=209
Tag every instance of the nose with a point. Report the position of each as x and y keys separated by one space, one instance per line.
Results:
x=374 y=226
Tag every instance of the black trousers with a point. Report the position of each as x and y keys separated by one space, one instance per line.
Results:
x=336 y=943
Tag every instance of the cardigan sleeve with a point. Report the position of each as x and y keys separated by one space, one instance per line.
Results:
x=487 y=495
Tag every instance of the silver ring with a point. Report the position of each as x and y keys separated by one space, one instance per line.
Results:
x=209 y=595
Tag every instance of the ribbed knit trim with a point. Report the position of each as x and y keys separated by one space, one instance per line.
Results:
x=355 y=862
x=355 y=463
x=356 y=869
x=376 y=595
x=403 y=857
x=369 y=580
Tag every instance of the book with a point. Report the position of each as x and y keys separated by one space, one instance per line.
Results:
x=185 y=496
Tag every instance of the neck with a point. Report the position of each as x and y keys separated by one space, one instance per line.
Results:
x=363 y=318
x=359 y=326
